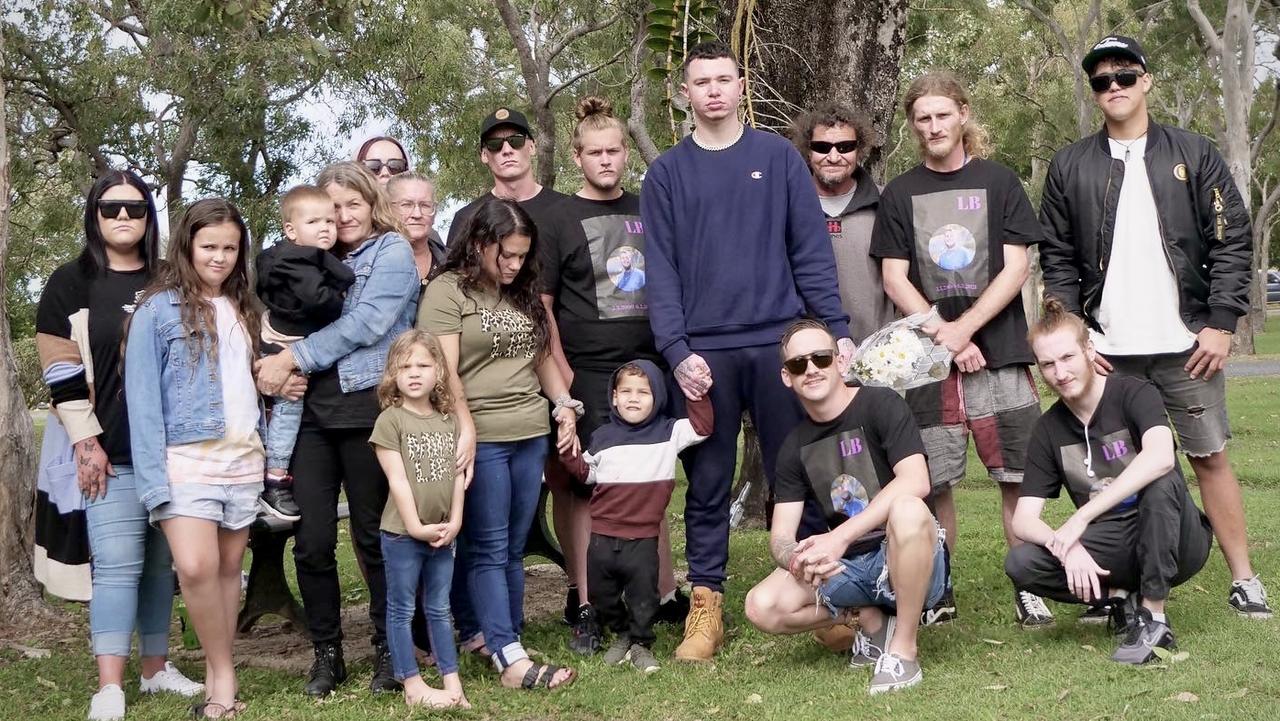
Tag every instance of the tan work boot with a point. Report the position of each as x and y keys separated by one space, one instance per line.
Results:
x=838 y=637
x=704 y=626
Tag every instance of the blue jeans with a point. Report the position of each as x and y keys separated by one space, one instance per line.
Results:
x=500 y=507
x=413 y=566
x=282 y=431
x=865 y=581
x=132 y=573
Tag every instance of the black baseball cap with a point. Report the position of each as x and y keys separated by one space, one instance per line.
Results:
x=505 y=116
x=1114 y=46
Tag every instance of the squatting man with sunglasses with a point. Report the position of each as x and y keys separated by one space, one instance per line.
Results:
x=1147 y=238
x=858 y=453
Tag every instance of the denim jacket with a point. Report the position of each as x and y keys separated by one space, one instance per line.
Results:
x=172 y=399
x=378 y=308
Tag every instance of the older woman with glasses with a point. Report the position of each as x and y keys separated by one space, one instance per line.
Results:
x=413 y=196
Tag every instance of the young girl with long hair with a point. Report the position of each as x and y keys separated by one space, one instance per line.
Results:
x=197 y=424
x=414 y=439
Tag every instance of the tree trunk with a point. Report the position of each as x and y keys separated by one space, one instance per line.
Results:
x=18 y=589
x=752 y=471
x=806 y=51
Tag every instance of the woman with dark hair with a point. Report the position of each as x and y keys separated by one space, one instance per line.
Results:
x=486 y=311
x=384 y=157
x=345 y=361
x=79 y=328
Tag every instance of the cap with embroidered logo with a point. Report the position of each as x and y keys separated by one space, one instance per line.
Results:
x=1113 y=46
x=505 y=116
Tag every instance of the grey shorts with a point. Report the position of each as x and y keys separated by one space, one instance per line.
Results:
x=1197 y=407
x=232 y=506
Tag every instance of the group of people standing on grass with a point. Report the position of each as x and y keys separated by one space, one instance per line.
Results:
x=428 y=381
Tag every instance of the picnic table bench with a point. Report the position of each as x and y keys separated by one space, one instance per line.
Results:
x=268 y=591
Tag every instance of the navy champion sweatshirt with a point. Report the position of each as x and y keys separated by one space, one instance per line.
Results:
x=736 y=246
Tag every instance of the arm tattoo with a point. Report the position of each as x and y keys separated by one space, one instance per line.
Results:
x=783 y=551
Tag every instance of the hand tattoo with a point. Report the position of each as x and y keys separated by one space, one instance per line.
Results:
x=783 y=552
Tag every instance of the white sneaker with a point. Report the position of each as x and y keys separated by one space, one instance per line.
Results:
x=107 y=704
x=170 y=680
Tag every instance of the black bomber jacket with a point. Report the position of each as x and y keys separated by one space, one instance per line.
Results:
x=1204 y=225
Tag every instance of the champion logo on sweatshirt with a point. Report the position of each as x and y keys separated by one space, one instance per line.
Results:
x=756 y=175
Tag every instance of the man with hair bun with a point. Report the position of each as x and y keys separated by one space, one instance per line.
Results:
x=593 y=272
x=953 y=232
x=1136 y=531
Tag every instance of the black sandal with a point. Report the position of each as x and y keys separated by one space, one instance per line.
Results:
x=201 y=710
x=540 y=676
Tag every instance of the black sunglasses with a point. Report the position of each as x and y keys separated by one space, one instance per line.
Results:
x=395 y=166
x=515 y=140
x=798 y=365
x=1101 y=82
x=822 y=147
x=109 y=209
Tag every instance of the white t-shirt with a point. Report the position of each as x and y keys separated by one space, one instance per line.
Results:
x=1139 y=310
x=237 y=457
x=834 y=205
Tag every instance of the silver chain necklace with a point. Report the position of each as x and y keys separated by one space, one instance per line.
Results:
x=716 y=148
x=1127 y=145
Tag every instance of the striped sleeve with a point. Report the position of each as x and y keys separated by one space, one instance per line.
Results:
x=62 y=341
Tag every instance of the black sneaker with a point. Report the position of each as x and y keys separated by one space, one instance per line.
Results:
x=277 y=499
x=1123 y=612
x=944 y=611
x=1097 y=614
x=1249 y=598
x=586 y=632
x=675 y=611
x=1031 y=611
x=571 y=605
x=1145 y=635
x=384 y=681
x=327 y=670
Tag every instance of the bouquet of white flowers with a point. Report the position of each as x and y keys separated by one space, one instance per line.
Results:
x=901 y=355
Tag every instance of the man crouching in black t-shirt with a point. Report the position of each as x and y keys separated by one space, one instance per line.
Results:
x=858 y=454
x=1136 y=532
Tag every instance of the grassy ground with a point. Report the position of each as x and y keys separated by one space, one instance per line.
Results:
x=981 y=667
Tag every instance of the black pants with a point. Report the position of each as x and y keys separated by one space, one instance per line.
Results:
x=621 y=569
x=324 y=462
x=1162 y=546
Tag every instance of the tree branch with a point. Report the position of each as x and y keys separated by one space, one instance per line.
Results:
x=589 y=71
x=1207 y=31
x=528 y=63
x=1256 y=150
x=578 y=31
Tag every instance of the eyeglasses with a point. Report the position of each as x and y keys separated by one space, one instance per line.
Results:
x=822 y=147
x=396 y=166
x=515 y=140
x=1101 y=82
x=425 y=207
x=108 y=209
x=798 y=365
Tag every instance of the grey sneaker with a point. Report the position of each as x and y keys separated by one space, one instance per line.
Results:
x=1031 y=611
x=1249 y=598
x=1123 y=612
x=893 y=673
x=619 y=651
x=1096 y=615
x=643 y=659
x=868 y=648
x=1145 y=635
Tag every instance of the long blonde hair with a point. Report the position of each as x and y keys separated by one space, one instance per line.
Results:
x=977 y=144
x=354 y=176
x=389 y=393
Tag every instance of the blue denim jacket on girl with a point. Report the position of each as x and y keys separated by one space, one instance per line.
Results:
x=173 y=399
x=379 y=307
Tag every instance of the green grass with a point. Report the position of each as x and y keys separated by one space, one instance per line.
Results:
x=1268 y=342
x=981 y=667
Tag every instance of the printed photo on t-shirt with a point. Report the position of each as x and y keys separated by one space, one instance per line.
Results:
x=1090 y=468
x=952 y=243
x=616 y=244
x=435 y=450
x=841 y=472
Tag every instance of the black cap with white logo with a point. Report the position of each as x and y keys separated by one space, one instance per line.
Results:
x=505 y=116
x=1114 y=46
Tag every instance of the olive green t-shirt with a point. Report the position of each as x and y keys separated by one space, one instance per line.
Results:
x=496 y=356
x=428 y=446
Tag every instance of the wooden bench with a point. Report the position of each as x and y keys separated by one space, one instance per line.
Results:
x=268 y=591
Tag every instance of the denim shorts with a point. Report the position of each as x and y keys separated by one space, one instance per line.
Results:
x=865 y=581
x=232 y=506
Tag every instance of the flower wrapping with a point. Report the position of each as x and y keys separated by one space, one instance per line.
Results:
x=901 y=355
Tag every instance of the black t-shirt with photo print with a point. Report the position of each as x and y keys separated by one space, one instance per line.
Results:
x=952 y=228
x=1059 y=453
x=844 y=463
x=593 y=265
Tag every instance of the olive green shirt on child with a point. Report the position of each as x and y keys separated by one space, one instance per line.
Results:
x=427 y=444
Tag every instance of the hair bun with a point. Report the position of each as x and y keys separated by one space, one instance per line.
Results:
x=593 y=105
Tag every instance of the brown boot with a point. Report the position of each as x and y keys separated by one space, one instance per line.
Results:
x=837 y=637
x=704 y=627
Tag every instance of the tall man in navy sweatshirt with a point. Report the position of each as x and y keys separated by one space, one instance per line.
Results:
x=737 y=250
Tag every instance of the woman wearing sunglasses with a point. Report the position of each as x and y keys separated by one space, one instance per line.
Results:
x=384 y=157
x=79 y=328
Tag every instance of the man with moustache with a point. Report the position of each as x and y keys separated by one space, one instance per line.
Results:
x=735 y=252
x=990 y=392
x=1115 y=205
x=833 y=138
x=1136 y=531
